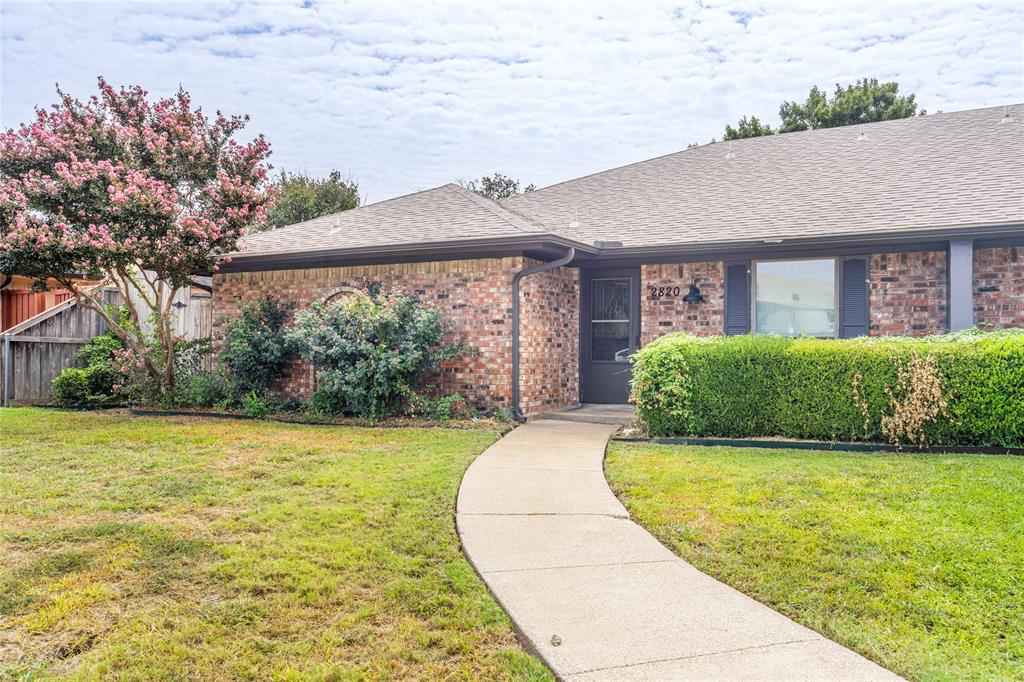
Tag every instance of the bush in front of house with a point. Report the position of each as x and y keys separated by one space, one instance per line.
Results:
x=257 y=347
x=371 y=350
x=956 y=389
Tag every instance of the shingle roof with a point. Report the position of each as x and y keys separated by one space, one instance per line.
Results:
x=446 y=213
x=941 y=170
x=950 y=170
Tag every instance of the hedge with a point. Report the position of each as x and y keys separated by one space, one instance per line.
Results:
x=835 y=390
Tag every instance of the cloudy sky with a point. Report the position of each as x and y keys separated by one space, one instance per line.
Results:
x=406 y=97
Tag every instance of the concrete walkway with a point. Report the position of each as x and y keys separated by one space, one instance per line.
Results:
x=596 y=596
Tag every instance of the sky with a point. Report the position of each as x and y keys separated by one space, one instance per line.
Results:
x=404 y=97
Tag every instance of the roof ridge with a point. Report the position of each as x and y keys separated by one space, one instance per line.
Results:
x=517 y=220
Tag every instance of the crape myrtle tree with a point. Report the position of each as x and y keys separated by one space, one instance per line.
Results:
x=141 y=194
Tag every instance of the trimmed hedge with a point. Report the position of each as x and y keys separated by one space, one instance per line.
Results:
x=757 y=386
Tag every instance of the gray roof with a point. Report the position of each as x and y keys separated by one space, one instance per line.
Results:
x=952 y=170
x=443 y=214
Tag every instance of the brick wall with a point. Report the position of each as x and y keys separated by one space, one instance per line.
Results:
x=999 y=287
x=661 y=315
x=908 y=293
x=473 y=294
x=549 y=340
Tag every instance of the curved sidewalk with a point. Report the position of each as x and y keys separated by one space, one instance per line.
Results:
x=596 y=596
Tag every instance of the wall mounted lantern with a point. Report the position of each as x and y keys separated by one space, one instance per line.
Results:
x=693 y=295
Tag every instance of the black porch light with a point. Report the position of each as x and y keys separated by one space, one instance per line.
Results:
x=693 y=295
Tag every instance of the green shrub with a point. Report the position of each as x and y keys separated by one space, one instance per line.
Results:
x=257 y=349
x=98 y=351
x=71 y=387
x=327 y=403
x=957 y=389
x=255 y=405
x=202 y=389
x=451 y=407
x=95 y=374
x=442 y=409
x=371 y=349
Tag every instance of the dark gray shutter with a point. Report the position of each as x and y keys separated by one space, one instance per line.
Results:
x=853 y=288
x=737 y=298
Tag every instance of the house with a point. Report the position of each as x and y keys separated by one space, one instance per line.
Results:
x=906 y=227
x=19 y=300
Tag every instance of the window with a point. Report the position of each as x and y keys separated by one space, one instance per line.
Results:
x=609 y=320
x=795 y=297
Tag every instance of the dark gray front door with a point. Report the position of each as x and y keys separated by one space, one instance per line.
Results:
x=610 y=333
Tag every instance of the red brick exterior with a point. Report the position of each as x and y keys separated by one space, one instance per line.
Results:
x=474 y=295
x=908 y=296
x=908 y=293
x=660 y=315
x=999 y=287
x=549 y=340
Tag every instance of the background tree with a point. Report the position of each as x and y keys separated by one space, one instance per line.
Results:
x=866 y=101
x=496 y=186
x=304 y=197
x=140 y=194
x=745 y=128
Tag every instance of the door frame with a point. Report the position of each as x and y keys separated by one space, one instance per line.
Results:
x=587 y=275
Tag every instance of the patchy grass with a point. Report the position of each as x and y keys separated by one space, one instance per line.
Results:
x=912 y=560
x=169 y=548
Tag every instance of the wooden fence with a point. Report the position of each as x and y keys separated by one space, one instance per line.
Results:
x=35 y=351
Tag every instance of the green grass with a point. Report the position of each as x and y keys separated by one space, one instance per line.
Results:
x=169 y=548
x=915 y=561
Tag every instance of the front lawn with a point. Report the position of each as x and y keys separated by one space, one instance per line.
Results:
x=915 y=561
x=160 y=548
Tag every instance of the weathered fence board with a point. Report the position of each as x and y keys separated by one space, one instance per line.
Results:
x=35 y=351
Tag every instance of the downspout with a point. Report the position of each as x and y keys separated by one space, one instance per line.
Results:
x=517 y=413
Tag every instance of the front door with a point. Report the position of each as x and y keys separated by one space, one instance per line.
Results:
x=610 y=330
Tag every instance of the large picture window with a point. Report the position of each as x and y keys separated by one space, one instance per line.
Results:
x=795 y=297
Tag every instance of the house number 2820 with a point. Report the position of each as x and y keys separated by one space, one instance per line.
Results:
x=662 y=292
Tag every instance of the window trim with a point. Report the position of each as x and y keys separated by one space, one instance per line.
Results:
x=836 y=292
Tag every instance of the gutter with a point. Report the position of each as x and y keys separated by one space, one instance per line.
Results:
x=517 y=412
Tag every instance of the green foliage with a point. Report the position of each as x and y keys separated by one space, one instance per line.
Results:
x=255 y=405
x=754 y=386
x=745 y=128
x=497 y=186
x=202 y=389
x=71 y=387
x=257 y=348
x=304 y=197
x=95 y=375
x=98 y=351
x=866 y=101
x=371 y=350
x=328 y=403
x=443 y=409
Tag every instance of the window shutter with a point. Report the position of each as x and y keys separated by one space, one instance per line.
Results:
x=737 y=298
x=854 y=319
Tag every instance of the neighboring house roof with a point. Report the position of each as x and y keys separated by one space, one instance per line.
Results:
x=927 y=173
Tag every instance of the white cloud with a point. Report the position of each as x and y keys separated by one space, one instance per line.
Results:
x=404 y=97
